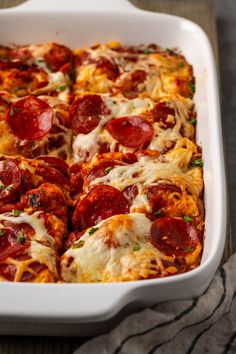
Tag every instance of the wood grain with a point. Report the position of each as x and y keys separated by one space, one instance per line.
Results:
x=200 y=12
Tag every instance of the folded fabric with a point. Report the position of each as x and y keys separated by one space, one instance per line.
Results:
x=206 y=324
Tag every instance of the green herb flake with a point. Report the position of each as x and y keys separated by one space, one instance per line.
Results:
x=193 y=121
x=2 y=186
x=187 y=218
x=24 y=58
x=147 y=51
x=16 y=212
x=62 y=88
x=197 y=162
x=34 y=200
x=158 y=213
x=137 y=247
x=2 y=232
x=41 y=61
x=188 y=249
x=108 y=169
x=79 y=244
x=92 y=230
x=14 y=110
x=19 y=88
x=192 y=87
x=181 y=65
x=171 y=51
x=21 y=238
x=9 y=188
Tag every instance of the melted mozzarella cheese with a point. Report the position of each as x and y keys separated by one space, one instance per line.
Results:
x=163 y=136
x=119 y=250
x=46 y=255
x=55 y=81
x=146 y=171
x=42 y=245
x=38 y=224
x=121 y=107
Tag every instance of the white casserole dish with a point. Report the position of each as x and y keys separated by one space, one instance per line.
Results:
x=88 y=309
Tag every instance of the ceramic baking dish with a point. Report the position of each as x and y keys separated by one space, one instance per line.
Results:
x=86 y=309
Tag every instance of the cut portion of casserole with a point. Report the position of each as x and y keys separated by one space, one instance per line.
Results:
x=101 y=123
x=33 y=126
x=31 y=236
x=133 y=71
x=118 y=191
x=37 y=70
x=132 y=247
x=19 y=175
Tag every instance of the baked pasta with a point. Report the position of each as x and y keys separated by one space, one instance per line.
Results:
x=100 y=175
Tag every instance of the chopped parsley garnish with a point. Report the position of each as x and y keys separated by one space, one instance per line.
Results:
x=2 y=232
x=21 y=238
x=14 y=110
x=197 y=162
x=187 y=218
x=20 y=88
x=171 y=51
x=16 y=212
x=192 y=87
x=193 y=121
x=137 y=247
x=147 y=51
x=108 y=169
x=79 y=244
x=158 y=213
x=6 y=188
x=189 y=249
x=92 y=230
x=9 y=188
x=50 y=68
x=62 y=87
x=181 y=65
x=41 y=61
x=34 y=200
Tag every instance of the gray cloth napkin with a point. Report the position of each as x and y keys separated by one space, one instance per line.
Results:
x=206 y=324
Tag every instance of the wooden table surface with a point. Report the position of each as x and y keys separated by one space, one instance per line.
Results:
x=200 y=12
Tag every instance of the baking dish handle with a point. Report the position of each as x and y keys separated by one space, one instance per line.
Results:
x=84 y=5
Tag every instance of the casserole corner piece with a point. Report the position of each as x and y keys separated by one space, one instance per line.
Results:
x=93 y=308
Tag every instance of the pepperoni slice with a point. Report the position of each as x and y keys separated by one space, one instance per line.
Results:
x=161 y=197
x=56 y=162
x=58 y=56
x=86 y=112
x=100 y=203
x=132 y=131
x=21 y=54
x=131 y=192
x=129 y=158
x=161 y=114
x=8 y=271
x=102 y=169
x=30 y=118
x=174 y=236
x=12 y=243
x=10 y=178
x=110 y=68
x=51 y=175
x=8 y=65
